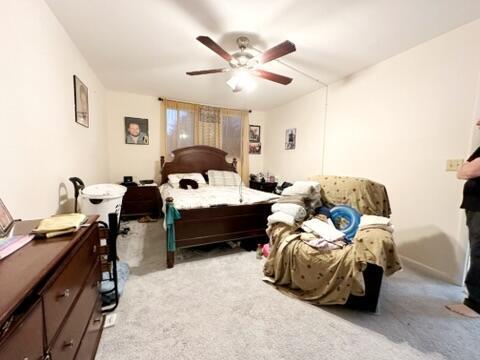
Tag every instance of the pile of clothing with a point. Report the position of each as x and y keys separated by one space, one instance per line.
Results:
x=301 y=207
x=318 y=253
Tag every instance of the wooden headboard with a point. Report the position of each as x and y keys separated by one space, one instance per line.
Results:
x=196 y=159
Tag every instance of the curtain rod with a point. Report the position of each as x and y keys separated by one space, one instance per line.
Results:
x=162 y=99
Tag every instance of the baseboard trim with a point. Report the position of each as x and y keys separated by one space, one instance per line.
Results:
x=427 y=270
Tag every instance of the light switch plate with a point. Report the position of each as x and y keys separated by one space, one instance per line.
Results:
x=454 y=164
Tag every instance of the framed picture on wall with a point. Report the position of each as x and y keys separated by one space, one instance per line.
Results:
x=136 y=131
x=255 y=149
x=81 y=102
x=290 y=139
x=6 y=220
x=254 y=134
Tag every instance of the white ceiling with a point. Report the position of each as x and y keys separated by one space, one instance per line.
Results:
x=146 y=46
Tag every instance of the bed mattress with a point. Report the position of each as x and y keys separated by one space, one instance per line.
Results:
x=208 y=196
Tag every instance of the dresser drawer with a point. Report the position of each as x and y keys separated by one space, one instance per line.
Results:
x=70 y=336
x=26 y=340
x=90 y=340
x=61 y=293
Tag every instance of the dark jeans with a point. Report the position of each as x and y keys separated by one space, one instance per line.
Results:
x=473 y=276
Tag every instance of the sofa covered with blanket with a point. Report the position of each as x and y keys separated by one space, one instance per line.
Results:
x=351 y=274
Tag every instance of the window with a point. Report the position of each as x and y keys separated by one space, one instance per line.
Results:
x=180 y=129
x=191 y=124
x=232 y=135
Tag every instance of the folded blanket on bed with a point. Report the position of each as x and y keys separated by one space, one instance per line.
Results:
x=368 y=220
x=325 y=230
x=307 y=188
x=280 y=217
x=295 y=210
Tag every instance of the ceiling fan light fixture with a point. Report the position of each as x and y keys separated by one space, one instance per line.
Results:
x=241 y=80
x=243 y=60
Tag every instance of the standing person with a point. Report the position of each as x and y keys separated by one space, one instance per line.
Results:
x=470 y=171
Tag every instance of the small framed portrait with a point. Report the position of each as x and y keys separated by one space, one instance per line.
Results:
x=255 y=149
x=136 y=131
x=81 y=102
x=254 y=134
x=6 y=220
x=290 y=139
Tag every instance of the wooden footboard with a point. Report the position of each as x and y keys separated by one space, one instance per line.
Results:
x=219 y=224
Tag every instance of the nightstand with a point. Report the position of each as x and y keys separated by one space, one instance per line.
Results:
x=141 y=201
x=263 y=186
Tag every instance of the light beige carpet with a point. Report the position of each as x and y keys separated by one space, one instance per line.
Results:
x=215 y=306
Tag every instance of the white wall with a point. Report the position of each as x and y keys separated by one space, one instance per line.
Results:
x=397 y=123
x=139 y=161
x=41 y=144
x=256 y=162
x=306 y=114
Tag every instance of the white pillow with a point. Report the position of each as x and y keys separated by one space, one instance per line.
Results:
x=223 y=178
x=174 y=179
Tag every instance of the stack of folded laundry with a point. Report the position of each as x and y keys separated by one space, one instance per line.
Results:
x=297 y=201
x=58 y=225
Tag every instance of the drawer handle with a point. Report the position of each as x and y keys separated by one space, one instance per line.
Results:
x=94 y=249
x=96 y=320
x=96 y=284
x=65 y=294
x=68 y=344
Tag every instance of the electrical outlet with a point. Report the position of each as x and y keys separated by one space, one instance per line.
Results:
x=454 y=164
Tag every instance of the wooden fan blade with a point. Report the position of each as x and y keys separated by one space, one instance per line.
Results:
x=275 y=52
x=212 y=45
x=210 y=71
x=284 y=80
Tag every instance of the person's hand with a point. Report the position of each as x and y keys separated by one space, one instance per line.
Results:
x=469 y=170
x=461 y=172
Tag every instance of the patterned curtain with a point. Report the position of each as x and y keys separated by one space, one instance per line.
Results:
x=208 y=129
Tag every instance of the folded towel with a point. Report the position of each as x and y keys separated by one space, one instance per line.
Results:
x=280 y=217
x=325 y=230
x=57 y=225
x=297 y=211
x=308 y=188
x=294 y=199
x=367 y=220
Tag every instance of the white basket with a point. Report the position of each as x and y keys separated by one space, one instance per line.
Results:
x=102 y=199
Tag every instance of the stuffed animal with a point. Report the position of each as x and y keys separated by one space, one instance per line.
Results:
x=188 y=183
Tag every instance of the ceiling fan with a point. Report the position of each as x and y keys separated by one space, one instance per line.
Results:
x=243 y=63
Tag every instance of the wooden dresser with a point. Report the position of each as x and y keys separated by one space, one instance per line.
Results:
x=50 y=306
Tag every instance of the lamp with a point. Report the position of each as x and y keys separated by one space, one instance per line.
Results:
x=241 y=80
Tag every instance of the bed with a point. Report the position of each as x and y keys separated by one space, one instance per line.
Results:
x=212 y=214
